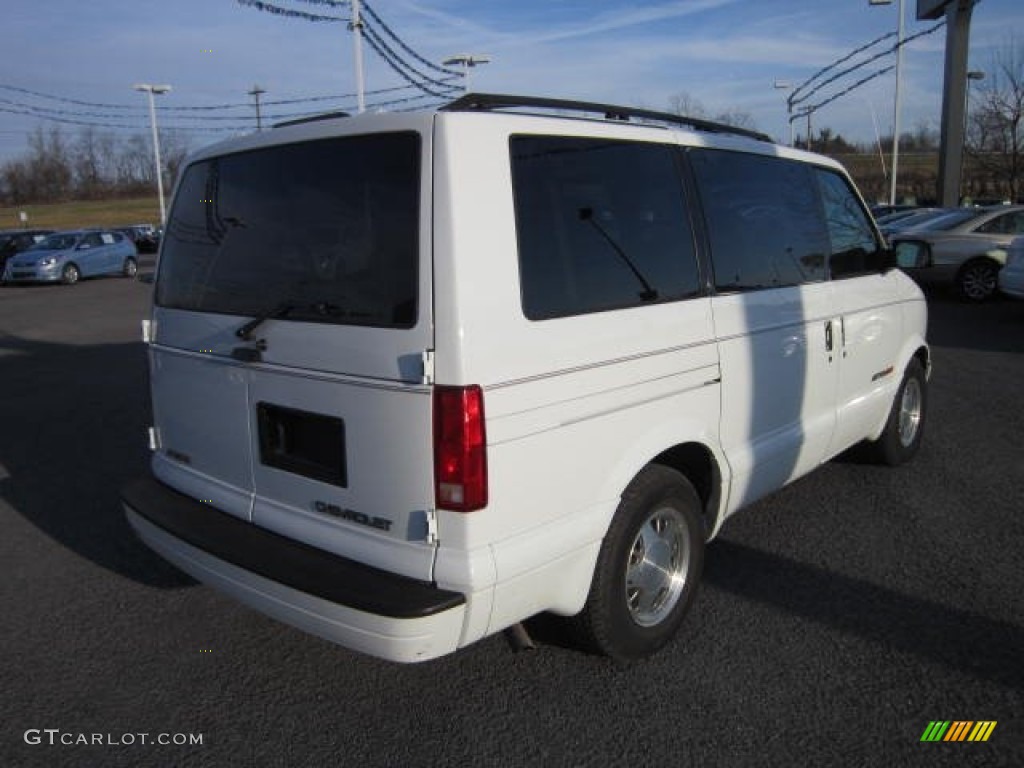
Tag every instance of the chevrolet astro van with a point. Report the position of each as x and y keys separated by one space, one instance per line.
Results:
x=418 y=377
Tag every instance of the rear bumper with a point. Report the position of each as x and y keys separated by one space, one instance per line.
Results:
x=363 y=608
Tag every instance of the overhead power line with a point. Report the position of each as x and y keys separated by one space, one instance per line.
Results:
x=836 y=63
x=848 y=70
x=815 y=107
x=405 y=61
x=277 y=10
x=377 y=19
x=403 y=68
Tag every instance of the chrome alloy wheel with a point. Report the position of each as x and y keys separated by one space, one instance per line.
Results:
x=910 y=411
x=656 y=567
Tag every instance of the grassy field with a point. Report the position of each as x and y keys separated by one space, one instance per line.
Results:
x=96 y=213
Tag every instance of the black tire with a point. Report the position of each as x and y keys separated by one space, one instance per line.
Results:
x=633 y=609
x=901 y=438
x=130 y=268
x=978 y=279
x=70 y=275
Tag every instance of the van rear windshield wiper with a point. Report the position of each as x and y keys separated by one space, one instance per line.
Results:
x=281 y=310
x=286 y=308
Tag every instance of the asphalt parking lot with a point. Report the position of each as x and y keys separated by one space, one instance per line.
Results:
x=837 y=618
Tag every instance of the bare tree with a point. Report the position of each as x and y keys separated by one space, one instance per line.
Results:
x=86 y=165
x=995 y=141
x=684 y=104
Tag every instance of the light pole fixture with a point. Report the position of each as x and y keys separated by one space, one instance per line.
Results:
x=151 y=90
x=896 y=99
x=467 y=61
x=785 y=85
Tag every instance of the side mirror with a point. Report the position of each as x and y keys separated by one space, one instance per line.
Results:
x=912 y=254
x=887 y=260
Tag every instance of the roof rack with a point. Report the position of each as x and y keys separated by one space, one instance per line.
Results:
x=312 y=119
x=483 y=102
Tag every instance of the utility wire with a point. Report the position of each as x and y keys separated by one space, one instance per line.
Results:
x=289 y=13
x=837 y=62
x=400 y=65
x=377 y=19
x=236 y=119
x=195 y=108
x=864 y=63
x=30 y=92
x=117 y=126
x=815 y=107
x=397 y=65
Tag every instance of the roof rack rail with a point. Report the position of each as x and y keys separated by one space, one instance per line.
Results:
x=312 y=119
x=489 y=101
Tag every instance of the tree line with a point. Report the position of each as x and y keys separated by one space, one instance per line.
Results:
x=89 y=165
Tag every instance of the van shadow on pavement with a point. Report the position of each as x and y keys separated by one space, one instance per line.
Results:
x=73 y=425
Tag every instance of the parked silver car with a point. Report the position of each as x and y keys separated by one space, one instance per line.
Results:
x=967 y=256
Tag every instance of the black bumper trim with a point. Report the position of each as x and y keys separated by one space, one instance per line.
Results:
x=286 y=561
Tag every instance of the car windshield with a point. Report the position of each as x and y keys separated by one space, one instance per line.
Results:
x=322 y=224
x=55 y=243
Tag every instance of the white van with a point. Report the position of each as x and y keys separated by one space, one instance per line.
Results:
x=419 y=377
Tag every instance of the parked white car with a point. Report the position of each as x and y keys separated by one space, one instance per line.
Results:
x=1011 y=276
x=418 y=377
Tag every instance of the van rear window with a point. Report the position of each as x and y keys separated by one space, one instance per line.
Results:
x=328 y=228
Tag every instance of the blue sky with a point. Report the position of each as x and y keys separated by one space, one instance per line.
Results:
x=724 y=53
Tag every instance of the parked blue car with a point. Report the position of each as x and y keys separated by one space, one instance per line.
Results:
x=69 y=256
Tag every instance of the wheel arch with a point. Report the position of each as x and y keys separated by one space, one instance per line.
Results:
x=697 y=463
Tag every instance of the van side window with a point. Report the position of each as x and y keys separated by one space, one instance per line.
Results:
x=601 y=225
x=854 y=249
x=763 y=218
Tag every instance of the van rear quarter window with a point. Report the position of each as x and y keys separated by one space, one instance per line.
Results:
x=601 y=225
x=328 y=227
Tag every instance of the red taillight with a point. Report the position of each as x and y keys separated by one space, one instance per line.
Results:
x=460 y=449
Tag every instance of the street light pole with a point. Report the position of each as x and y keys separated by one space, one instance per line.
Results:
x=972 y=75
x=467 y=61
x=785 y=85
x=150 y=90
x=356 y=26
x=896 y=100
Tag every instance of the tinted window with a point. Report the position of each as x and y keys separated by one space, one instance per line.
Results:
x=854 y=249
x=601 y=225
x=1007 y=224
x=764 y=220
x=56 y=243
x=329 y=228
